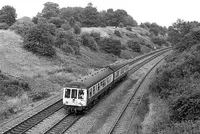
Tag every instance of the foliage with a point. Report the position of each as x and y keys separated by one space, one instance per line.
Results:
x=154 y=28
x=158 y=40
x=4 y=26
x=8 y=15
x=77 y=28
x=22 y=26
x=121 y=25
x=50 y=10
x=39 y=40
x=134 y=45
x=12 y=87
x=117 y=33
x=96 y=36
x=89 y=41
x=129 y=28
x=66 y=41
x=179 y=29
x=66 y=26
x=188 y=40
x=110 y=45
x=36 y=96
x=56 y=21
x=90 y=15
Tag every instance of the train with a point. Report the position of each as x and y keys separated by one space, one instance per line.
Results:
x=82 y=93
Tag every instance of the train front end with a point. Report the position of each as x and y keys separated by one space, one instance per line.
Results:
x=74 y=99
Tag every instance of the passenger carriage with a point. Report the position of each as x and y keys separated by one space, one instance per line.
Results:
x=81 y=93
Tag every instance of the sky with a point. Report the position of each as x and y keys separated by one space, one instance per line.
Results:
x=162 y=12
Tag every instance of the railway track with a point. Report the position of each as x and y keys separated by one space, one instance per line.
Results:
x=69 y=119
x=64 y=124
x=35 y=119
x=114 y=126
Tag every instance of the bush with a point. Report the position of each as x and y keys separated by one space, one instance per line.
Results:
x=22 y=26
x=67 y=48
x=66 y=26
x=117 y=33
x=4 y=26
x=96 y=36
x=121 y=25
x=77 y=28
x=110 y=45
x=36 y=96
x=134 y=45
x=12 y=87
x=89 y=41
x=39 y=40
x=129 y=28
x=159 y=41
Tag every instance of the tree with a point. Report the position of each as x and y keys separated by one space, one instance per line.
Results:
x=50 y=10
x=91 y=17
x=129 y=21
x=8 y=15
x=69 y=12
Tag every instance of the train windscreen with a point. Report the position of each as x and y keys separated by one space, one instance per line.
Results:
x=67 y=93
x=74 y=93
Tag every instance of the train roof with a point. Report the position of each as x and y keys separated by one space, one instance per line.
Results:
x=117 y=65
x=89 y=80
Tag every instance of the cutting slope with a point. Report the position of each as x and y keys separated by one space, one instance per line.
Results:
x=16 y=61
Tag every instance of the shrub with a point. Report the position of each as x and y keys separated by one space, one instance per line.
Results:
x=77 y=28
x=96 y=36
x=22 y=26
x=158 y=40
x=39 y=40
x=36 y=96
x=117 y=33
x=67 y=48
x=121 y=25
x=129 y=28
x=89 y=41
x=4 y=26
x=66 y=26
x=12 y=87
x=110 y=45
x=134 y=45
x=56 y=21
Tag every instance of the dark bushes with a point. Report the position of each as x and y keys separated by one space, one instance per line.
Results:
x=39 y=40
x=110 y=45
x=134 y=45
x=89 y=41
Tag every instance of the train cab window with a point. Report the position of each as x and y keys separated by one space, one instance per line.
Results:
x=80 y=94
x=67 y=93
x=74 y=93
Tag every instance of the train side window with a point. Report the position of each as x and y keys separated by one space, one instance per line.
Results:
x=80 y=94
x=90 y=92
x=94 y=88
x=67 y=93
x=98 y=86
x=74 y=93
